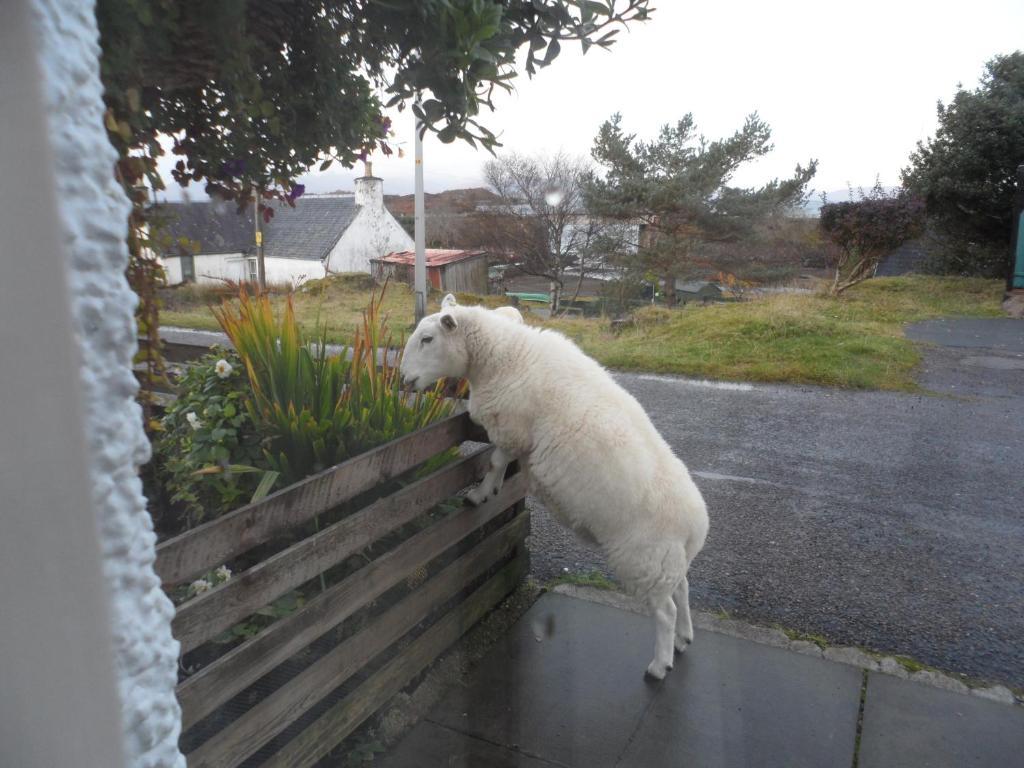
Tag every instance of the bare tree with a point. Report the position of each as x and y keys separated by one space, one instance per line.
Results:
x=540 y=222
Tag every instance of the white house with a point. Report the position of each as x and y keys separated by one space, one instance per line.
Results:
x=321 y=234
x=584 y=233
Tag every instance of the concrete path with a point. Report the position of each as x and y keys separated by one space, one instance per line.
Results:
x=565 y=687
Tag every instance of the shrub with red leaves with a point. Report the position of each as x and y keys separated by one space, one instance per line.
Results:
x=866 y=231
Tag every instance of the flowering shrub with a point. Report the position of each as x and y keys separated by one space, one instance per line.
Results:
x=208 y=451
x=280 y=410
x=208 y=581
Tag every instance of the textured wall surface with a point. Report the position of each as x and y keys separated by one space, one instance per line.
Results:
x=93 y=214
x=373 y=233
x=214 y=268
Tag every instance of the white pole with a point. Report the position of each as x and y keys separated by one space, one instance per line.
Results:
x=421 y=237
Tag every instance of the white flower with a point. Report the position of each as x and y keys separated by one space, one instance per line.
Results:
x=193 y=420
x=223 y=573
x=223 y=368
x=199 y=586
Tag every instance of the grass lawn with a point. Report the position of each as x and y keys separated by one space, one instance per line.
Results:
x=337 y=302
x=855 y=341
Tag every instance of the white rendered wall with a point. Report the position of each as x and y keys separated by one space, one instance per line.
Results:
x=211 y=268
x=59 y=702
x=293 y=271
x=91 y=217
x=218 y=267
x=373 y=233
x=172 y=270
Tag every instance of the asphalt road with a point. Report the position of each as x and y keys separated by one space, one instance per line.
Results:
x=886 y=520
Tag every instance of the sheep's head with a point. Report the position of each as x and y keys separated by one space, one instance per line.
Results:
x=436 y=349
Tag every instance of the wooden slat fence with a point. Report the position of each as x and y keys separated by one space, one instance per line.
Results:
x=340 y=656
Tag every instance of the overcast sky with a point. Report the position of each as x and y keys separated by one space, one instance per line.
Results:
x=853 y=85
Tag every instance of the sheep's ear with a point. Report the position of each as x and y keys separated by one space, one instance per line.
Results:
x=448 y=321
x=448 y=301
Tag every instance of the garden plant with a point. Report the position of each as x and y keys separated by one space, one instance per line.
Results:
x=281 y=407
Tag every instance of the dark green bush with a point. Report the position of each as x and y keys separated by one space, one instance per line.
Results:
x=208 y=454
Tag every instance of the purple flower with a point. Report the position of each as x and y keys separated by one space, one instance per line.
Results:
x=297 y=191
x=235 y=167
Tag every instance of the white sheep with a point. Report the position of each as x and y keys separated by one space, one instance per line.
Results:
x=592 y=454
x=509 y=312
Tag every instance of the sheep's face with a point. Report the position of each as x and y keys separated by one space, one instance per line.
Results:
x=434 y=351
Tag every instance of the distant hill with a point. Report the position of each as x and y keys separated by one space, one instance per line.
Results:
x=812 y=208
x=449 y=201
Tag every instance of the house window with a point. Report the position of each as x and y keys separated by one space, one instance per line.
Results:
x=254 y=270
x=188 y=269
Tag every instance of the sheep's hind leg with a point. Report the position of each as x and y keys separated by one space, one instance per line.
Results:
x=663 y=611
x=684 y=626
x=493 y=480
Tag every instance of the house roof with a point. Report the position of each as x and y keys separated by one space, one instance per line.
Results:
x=697 y=286
x=308 y=231
x=216 y=226
x=436 y=257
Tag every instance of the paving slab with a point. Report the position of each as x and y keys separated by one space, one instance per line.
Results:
x=908 y=724
x=429 y=744
x=566 y=683
x=734 y=702
x=566 y=686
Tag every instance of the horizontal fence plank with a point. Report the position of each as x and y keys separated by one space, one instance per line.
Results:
x=259 y=725
x=210 y=613
x=206 y=690
x=214 y=543
x=331 y=728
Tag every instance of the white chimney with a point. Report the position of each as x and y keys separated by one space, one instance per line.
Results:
x=369 y=189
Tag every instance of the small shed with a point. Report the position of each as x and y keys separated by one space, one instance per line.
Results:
x=698 y=290
x=447 y=270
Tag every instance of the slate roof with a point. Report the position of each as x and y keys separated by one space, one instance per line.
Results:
x=436 y=257
x=308 y=231
x=908 y=258
x=216 y=226
x=697 y=286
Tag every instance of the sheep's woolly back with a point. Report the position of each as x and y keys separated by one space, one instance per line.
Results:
x=510 y=313
x=593 y=453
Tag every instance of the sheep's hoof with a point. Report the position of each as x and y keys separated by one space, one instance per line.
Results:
x=657 y=671
x=475 y=497
x=682 y=643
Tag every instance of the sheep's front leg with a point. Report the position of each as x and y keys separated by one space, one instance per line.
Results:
x=493 y=480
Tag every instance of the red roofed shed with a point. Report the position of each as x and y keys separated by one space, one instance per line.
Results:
x=447 y=270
